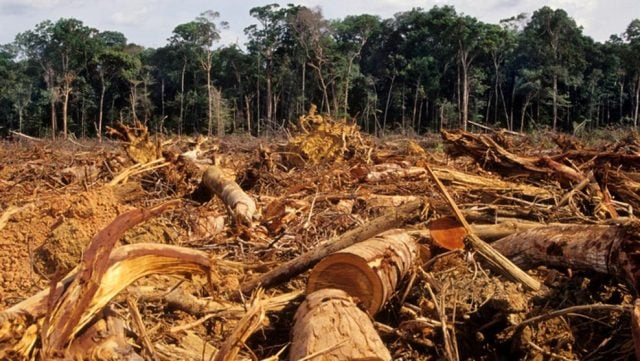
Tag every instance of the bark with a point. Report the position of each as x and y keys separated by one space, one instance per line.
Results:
x=386 y=107
x=269 y=90
x=241 y=204
x=182 y=74
x=103 y=340
x=329 y=326
x=465 y=88
x=66 y=91
x=637 y=108
x=635 y=327
x=609 y=249
x=101 y=111
x=89 y=290
x=368 y=271
x=555 y=100
x=392 y=219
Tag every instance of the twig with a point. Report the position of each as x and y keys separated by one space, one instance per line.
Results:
x=547 y=353
x=582 y=185
x=569 y=310
x=298 y=265
x=142 y=331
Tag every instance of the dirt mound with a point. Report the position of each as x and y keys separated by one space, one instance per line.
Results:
x=48 y=236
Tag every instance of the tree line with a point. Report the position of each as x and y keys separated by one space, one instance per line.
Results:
x=420 y=70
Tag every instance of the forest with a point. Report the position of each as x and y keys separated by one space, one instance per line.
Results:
x=421 y=70
x=423 y=187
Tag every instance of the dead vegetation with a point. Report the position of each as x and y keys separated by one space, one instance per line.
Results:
x=202 y=249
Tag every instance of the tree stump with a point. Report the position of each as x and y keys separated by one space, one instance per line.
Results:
x=368 y=271
x=330 y=326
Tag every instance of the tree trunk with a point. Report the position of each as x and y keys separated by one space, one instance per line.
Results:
x=101 y=112
x=368 y=271
x=269 y=93
x=415 y=104
x=304 y=81
x=65 y=106
x=207 y=68
x=20 y=116
x=635 y=113
x=247 y=111
x=181 y=117
x=555 y=100
x=242 y=206
x=601 y=248
x=386 y=107
x=133 y=99
x=524 y=112
x=465 y=91
x=330 y=324
x=346 y=85
x=217 y=95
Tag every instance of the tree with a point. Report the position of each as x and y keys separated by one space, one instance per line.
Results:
x=110 y=62
x=198 y=37
x=632 y=35
x=500 y=43
x=469 y=35
x=352 y=34
x=553 y=44
x=266 y=41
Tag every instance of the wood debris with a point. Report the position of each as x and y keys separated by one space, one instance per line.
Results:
x=487 y=245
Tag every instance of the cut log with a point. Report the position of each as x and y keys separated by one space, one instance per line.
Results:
x=329 y=326
x=368 y=271
x=241 y=204
x=392 y=219
x=635 y=327
x=610 y=249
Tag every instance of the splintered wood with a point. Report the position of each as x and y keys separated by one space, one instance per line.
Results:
x=331 y=245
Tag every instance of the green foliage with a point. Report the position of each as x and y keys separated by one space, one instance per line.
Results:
x=421 y=69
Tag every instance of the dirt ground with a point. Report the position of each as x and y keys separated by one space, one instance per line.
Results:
x=56 y=196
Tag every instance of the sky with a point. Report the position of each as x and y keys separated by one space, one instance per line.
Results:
x=150 y=22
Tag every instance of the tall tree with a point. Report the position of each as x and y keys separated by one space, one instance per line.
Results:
x=199 y=36
x=632 y=35
x=352 y=34
x=553 y=42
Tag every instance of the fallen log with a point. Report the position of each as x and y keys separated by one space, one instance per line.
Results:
x=609 y=249
x=635 y=327
x=242 y=206
x=392 y=219
x=329 y=326
x=368 y=271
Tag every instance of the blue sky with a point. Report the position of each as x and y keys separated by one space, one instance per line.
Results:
x=150 y=22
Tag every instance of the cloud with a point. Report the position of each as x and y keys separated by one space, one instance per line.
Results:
x=150 y=22
x=129 y=16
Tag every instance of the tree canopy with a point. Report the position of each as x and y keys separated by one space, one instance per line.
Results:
x=420 y=70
